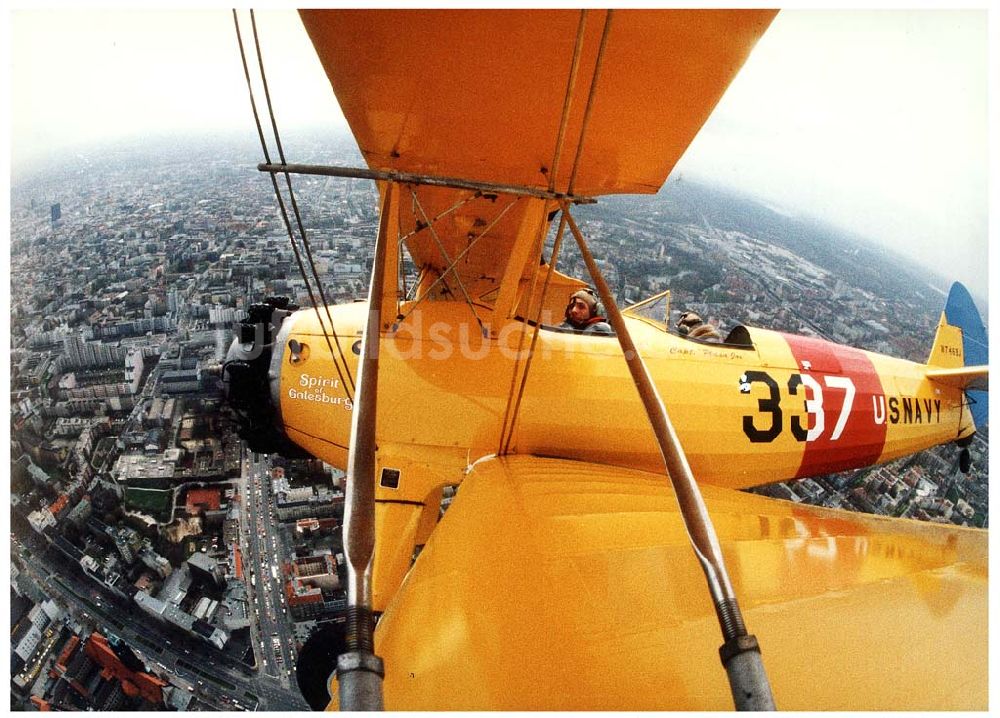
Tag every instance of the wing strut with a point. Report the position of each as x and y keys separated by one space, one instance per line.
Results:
x=359 y=670
x=740 y=652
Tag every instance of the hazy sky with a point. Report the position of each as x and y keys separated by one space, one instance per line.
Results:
x=875 y=120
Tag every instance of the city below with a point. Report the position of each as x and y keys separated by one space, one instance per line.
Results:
x=157 y=563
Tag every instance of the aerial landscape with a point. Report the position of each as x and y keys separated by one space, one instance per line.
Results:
x=161 y=561
x=128 y=482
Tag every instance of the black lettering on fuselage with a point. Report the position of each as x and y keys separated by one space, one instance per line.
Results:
x=914 y=410
x=771 y=405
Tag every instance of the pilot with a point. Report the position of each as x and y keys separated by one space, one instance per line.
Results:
x=581 y=314
x=693 y=326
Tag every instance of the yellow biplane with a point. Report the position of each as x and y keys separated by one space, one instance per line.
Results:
x=590 y=465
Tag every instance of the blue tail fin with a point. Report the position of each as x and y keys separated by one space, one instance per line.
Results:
x=960 y=311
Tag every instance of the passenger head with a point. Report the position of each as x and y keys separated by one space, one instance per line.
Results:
x=687 y=322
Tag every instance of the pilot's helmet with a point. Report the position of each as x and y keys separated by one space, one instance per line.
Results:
x=587 y=296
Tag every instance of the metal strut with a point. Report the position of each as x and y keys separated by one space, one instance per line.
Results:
x=359 y=670
x=421 y=179
x=740 y=652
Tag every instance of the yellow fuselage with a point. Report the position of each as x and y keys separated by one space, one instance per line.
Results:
x=786 y=407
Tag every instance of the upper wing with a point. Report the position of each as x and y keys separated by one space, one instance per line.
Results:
x=480 y=94
x=555 y=584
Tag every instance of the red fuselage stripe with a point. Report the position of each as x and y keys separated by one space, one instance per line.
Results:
x=863 y=430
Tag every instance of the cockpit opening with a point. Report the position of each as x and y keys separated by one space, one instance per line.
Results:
x=687 y=323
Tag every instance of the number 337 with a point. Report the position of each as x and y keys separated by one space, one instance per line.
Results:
x=811 y=390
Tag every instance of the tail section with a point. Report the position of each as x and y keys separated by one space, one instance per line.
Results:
x=960 y=354
x=965 y=377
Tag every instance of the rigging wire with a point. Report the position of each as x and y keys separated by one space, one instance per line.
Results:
x=539 y=245
x=400 y=272
x=454 y=263
x=568 y=100
x=538 y=325
x=284 y=212
x=590 y=99
x=598 y=63
x=554 y=170
x=444 y=254
x=420 y=227
x=295 y=209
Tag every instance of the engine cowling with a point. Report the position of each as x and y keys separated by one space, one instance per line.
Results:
x=246 y=379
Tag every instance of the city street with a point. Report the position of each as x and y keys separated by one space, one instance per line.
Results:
x=273 y=641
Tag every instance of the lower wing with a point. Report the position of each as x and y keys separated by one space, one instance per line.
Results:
x=553 y=584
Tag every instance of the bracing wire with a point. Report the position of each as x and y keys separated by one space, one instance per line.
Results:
x=539 y=246
x=284 y=212
x=538 y=325
x=295 y=206
x=454 y=263
x=447 y=259
x=253 y=101
x=568 y=99
x=507 y=431
x=420 y=227
x=590 y=99
x=505 y=437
